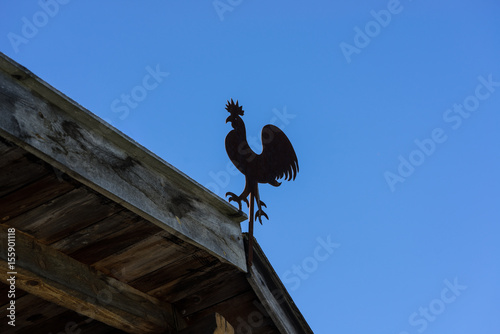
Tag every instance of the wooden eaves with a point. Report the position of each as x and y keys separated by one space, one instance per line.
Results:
x=110 y=238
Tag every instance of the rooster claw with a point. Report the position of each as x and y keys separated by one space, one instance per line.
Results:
x=237 y=199
x=259 y=215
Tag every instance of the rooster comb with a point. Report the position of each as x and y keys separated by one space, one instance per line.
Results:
x=234 y=108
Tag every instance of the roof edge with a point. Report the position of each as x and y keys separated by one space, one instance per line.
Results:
x=51 y=126
x=273 y=294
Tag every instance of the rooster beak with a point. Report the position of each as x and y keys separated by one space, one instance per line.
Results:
x=228 y=119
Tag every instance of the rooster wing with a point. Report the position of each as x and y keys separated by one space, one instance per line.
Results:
x=278 y=159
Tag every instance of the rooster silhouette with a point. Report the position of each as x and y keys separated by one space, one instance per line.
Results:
x=277 y=160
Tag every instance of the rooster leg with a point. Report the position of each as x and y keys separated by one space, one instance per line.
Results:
x=239 y=199
x=260 y=204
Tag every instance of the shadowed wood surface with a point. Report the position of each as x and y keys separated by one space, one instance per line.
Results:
x=96 y=251
x=77 y=143
x=212 y=324
x=121 y=245
x=47 y=273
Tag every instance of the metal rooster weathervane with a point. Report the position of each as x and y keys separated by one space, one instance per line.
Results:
x=277 y=160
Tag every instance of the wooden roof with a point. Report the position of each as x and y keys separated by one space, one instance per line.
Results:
x=110 y=238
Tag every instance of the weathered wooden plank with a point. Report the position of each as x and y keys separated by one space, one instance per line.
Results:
x=64 y=215
x=95 y=232
x=94 y=327
x=273 y=296
x=104 y=230
x=4 y=299
x=220 y=284
x=30 y=310
x=178 y=287
x=176 y=270
x=56 y=277
x=5 y=146
x=211 y=324
x=271 y=302
x=116 y=242
x=8 y=154
x=69 y=322
x=18 y=172
x=54 y=128
x=143 y=257
x=32 y=195
x=243 y=312
x=66 y=322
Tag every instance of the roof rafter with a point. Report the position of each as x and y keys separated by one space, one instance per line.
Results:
x=56 y=277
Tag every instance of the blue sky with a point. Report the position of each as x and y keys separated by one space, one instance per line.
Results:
x=393 y=109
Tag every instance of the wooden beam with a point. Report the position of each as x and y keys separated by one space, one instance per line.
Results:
x=273 y=296
x=211 y=324
x=58 y=278
x=44 y=122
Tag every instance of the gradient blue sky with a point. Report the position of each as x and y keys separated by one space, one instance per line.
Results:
x=395 y=121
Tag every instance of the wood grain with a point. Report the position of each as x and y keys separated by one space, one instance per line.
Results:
x=79 y=144
x=54 y=276
x=212 y=324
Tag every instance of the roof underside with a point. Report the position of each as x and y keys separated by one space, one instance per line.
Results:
x=102 y=224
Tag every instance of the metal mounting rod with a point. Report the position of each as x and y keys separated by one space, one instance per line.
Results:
x=250 y=232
